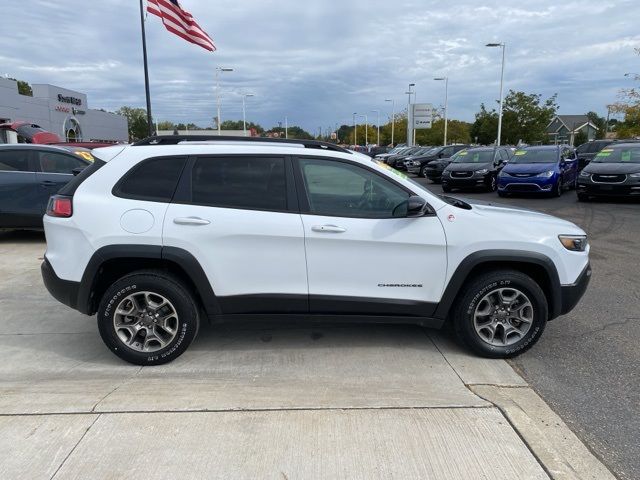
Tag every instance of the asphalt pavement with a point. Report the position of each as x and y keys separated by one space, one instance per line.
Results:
x=586 y=365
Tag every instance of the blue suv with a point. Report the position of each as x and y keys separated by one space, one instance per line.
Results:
x=546 y=169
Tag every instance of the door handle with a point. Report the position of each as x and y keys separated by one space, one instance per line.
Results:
x=48 y=183
x=328 y=229
x=190 y=221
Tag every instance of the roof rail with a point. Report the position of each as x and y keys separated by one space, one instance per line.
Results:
x=184 y=139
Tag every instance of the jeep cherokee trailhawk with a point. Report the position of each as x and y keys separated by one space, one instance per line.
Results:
x=157 y=236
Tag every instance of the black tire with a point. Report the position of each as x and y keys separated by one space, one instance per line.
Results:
x=502 y=194
x=473 y=293
x=557 y=189
x=160 y=283
x=583 y=197
x=446 y=189
x=422 y=173
x=493 y=184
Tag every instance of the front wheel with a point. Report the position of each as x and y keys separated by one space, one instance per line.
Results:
x=148 y=318
x=446 y=189
x=422 y=172
x=500 y=314
x=557 y=189
x=583 y=197
x=493 y=184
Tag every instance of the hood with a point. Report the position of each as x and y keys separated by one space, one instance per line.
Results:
x=468 y=167
x=612 y=168
x=522 y=215
x=533 y=168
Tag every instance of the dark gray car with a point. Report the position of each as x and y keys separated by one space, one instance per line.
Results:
x=29 y=175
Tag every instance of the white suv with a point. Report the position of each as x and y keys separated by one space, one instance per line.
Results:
x=155 y=237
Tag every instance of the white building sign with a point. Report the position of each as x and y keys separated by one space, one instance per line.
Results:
x=422 y=115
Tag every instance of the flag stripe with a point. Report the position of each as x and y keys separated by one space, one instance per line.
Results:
x=180 y=23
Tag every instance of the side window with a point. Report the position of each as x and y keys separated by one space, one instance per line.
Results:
x=504 y=155
x=154 y=180
x=447 y=152
x=14 y=160
x=344 y=190
x=53 y=162
x=251 y=183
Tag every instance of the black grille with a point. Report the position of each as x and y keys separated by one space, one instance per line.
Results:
x=608 y=178
x=523 y=175
x=461 y=174
x=524 y=187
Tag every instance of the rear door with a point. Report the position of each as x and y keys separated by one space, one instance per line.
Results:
x=53 y=171
x=238 y=216
x=363 y=255
x=19 y=194
x=569 y=166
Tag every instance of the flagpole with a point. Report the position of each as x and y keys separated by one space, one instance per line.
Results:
x=146 y=70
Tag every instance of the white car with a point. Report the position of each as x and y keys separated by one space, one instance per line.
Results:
x=156 y=238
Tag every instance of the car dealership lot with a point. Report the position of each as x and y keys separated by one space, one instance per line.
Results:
x=287 y=401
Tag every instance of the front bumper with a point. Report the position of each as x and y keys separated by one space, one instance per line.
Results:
x=570 y=295
x=626 y=189
x=65 y=291
x=531 y=184
x=467 y=182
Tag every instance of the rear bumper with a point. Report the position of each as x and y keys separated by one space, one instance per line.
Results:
x=65 y=291
x=571 y=294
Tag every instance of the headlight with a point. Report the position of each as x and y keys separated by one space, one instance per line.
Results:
x=575 y=243
x=635 y=175
x=584 y=174
x=482 y=171
x=446 y=173
x=546 y=174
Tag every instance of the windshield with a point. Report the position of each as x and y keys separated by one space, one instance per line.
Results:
x=535 y=156
x=618 y=155
x=474 y=156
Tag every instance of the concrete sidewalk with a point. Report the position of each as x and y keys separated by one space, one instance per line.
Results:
x=270 y=401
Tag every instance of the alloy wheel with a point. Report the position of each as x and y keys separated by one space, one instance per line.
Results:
x=145 y=322
x=503 y=316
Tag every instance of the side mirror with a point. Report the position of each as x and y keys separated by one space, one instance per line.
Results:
x=76 y=171
x=440 y=155
x=412 y=207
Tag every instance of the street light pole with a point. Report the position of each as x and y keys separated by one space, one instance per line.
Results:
x=218 y=70
x=286 y=127
x=244 y=112
x=393 y=118
x=501 y=89
x=377 y=112
x=410 y=117
x=446 y=99
x=355 y=130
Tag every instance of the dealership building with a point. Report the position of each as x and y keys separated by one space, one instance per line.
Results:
x=61 y=111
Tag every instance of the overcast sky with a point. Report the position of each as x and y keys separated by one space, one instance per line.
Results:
x=318 y=61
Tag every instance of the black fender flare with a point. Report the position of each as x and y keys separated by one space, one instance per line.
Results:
x=178 y=256
x=480 y=257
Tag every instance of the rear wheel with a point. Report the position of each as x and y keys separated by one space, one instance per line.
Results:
x=500 y=314
x=422 y=172
x=148 y=318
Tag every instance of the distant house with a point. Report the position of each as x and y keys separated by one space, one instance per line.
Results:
x=564 y=128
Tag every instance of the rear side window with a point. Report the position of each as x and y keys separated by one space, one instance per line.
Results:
x=154 y=179
x=54 y=162
x=71 y=187
x=250 y=183
x=14 y=160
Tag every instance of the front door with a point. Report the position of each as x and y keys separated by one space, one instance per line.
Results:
x=19 y=195
x=363 y=255
x=236 y=218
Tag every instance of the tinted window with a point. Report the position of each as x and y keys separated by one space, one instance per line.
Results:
x=71 y=187
x=474 y=156
x=504 y=155
x=252 y=183
x=547 y=155
x=618 y=155
x=14 y=161
x=53 y=162
x=154 y=179
x=344 y=190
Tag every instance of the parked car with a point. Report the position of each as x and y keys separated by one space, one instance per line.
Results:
x=158 y=238
x=401 y=163
x=475 y=168
x=29 y=175
x=433 y=170
x=546 y=169
x=615 y=171
x=588 y=150
x=419 y=164
x=394 y=160
x=393 y=151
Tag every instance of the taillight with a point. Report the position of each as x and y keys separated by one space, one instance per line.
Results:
x=60 y=206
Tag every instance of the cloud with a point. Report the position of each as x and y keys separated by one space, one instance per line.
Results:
x=317 y=62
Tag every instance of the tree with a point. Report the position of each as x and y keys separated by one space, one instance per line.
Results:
x=580 y=138
x=485 y=128
x=166 y=125
x=457 y=132
x=23 y=87
x=137 y=120
x=629 y=105
x=599 y=122
x=238 y=125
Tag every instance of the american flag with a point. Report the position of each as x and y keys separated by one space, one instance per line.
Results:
x=180 y=22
